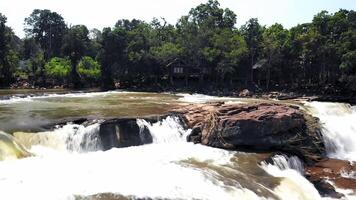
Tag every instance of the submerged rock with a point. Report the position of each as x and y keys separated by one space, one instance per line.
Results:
x=332 y=172
x=258 y=127
x=125 y=132
x=10 y=149
x=120 y=133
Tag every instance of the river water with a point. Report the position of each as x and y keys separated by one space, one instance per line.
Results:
x=68 y=161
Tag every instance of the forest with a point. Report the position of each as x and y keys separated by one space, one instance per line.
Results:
x=204 y=49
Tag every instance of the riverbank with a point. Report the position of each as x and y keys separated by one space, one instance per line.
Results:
x=238 y=93
x=316 y=93
x=326 y=94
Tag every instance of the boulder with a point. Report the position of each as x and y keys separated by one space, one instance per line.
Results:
x=332 y=172
x=125 y=132
x=119 y=133
x=267 y=127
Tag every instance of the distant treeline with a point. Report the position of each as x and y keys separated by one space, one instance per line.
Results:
x=205 y=43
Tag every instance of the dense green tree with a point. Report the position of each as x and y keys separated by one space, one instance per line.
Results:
x=89 y=70
x=111 y=54
x=75 y=46
x=314 y=56
x=196 y=31
x=36 y=68
x=167 y=54
x=139 y=61
x=3 y=48
x=30 y=48
x=94 y=45
x=58 y=69
x=48 y=29
x=274 y=40
x=231 y=48
x=252 y=32
x=8 y=55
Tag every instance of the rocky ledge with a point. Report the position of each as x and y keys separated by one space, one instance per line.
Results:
x=332 y=172
x=260 y=127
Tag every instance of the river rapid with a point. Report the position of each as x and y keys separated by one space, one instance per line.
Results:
x=68 y=161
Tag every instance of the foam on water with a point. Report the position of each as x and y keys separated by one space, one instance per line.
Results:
x=338 y=121
x=29 y=98
x=284 y=163
x=145 y=171
x=70 y=137
x=156 y=170
x=200 y=98
x=293 y=185
x=166 y=131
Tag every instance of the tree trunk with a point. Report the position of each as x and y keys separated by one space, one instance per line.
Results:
x=252 y=64
x=74 y=74
x=171 y=75
x=186 y=80
x=268 y=74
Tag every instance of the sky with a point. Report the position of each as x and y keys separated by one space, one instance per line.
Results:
x=105 y=13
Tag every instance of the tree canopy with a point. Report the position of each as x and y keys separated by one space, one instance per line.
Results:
x=203 y=48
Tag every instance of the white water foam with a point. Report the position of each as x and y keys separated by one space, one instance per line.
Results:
x=200 y=98
x=145 y=171
x=168 y=130
x=70 y=137
x=338 y=121
x=284 y=162
x=16 y=99
x=155 y=170
x=293 y=184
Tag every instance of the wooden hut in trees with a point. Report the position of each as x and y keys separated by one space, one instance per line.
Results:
x=179 y=70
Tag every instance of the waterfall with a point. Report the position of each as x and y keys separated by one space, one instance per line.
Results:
x=84 y=139
x=284 y=162
x=168 y=130
x=69 y=164
x=338 y=123
x=293 y=185
x=170 y=168
x=68 y=138
x=10 y=148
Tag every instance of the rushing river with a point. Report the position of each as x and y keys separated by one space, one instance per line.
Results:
x=68 y=162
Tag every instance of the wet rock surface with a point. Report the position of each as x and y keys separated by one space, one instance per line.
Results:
x=125 y=132
x=328 y=173
x=118 y=133
x=258 y=127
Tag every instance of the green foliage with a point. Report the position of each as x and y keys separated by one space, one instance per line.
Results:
x=58 y=68
x=205 y=41
x=75 y=46
x=30 y=48
x=37 y=64
x=348 y=64
x=9 y=58
x=167 y=52
x=76 y=42
x=48 y=29
x=89 y=69
x=228 y=50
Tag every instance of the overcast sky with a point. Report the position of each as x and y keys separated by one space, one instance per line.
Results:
x=104 y=13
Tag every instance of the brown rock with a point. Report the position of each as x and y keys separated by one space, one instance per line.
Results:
x=257 y=127
x=332 y=170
